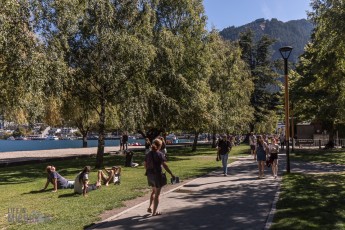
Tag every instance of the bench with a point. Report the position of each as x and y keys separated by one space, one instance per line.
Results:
x=301 y=142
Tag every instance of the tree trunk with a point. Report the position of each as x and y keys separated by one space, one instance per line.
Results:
x=214 y=140
x=84 y=140
x=100 y=149
x=195 y=142
x=251 y=127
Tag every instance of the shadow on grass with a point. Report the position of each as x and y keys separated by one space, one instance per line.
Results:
x=37 y=191
x=311 y=202
x=69 y=195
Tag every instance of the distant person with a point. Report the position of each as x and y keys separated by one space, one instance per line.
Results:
x=252 y=143
x=274 y=150
x=147 y=145
x=124 y=141
x=282 y=140
x=223 y=148
x=154 y=161
x=121 y=143
x=109 y=175
x=260 y=155
x=81 y=182
x=163 y=147
x=58 y=181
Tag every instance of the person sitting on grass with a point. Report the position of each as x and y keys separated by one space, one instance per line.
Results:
x=109 y=174
x=81 y=182
x=58 y=181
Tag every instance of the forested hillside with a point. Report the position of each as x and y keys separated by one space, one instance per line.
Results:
x=294 y=33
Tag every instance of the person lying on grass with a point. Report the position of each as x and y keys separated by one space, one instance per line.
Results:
x=81 y=182
x=58 y=181
x=108 y=174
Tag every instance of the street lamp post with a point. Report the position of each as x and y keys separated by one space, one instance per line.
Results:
x=285 y=52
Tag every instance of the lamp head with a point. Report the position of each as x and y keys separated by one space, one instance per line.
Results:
x=285 y=51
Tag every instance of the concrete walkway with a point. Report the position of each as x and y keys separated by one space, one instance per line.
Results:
x=24 y=157
x=238 y=201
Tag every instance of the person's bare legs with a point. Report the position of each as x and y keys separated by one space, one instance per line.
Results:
x=262 y=168
x=275 y=168
x=152 y=196
x=157 y=192
x=259 y=167
x=99 y=178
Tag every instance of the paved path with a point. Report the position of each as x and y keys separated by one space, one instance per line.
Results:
x=238 y=201
x=18 y=157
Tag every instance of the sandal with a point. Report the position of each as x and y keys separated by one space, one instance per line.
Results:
x=157 y=214
x=149 y=210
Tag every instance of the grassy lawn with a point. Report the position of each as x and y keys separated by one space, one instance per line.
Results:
x=312 y=201
x=20 y=185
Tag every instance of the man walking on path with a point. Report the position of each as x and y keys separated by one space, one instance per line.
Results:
x=224 y=147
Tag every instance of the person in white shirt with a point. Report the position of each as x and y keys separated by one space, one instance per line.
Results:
x=252 y=143
x=282 y=140
x=81 y=182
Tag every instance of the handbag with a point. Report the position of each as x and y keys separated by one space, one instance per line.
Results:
x=164 y=179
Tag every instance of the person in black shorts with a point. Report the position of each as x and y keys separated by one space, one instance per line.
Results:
x=154 y=161
x=274 y=150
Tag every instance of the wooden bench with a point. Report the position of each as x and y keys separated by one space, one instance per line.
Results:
x=301 y=142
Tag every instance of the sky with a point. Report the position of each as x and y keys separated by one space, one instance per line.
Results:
x=224 y=13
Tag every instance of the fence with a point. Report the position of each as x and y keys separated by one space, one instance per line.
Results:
x=300 y=143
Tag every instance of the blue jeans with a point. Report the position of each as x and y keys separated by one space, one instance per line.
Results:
x=225 y=162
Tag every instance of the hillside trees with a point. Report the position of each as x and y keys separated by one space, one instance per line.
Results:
x=320 y=89
x=263 y=99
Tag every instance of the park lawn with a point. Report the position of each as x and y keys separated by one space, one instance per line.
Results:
x=312 y=201
x=20 y=185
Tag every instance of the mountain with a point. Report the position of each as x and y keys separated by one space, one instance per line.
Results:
x=295 y=33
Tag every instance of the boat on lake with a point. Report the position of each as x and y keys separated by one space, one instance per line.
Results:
x=52 y=138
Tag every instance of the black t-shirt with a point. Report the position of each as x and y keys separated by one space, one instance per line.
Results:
x=224 y=146
x=124 y=138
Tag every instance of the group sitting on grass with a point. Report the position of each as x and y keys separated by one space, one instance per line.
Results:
x=81 y=183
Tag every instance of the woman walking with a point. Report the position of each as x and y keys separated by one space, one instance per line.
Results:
x=273 y=150
x=260 y=155
x=154 y=161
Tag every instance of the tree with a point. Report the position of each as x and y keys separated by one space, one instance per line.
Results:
x=231 y=82
x=319 y=90
x=179 y=72
x=22 y=64
x=107 y=47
